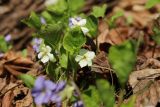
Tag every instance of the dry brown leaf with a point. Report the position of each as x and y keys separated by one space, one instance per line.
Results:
x=25 y=101
x=145 y=84
x=3 y=83
x=150 y=96
x=7 y=99
x=15 y=64
x=142 y=78
x=100 y=63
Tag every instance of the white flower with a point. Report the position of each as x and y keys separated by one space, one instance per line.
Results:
x=44 y=54
x=50 y=2
x=78 y=21
x=85 y=58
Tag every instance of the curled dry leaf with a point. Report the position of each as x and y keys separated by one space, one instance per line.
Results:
x=22 y=97
x=141 y=79
x=150 y=96
x=146 y=84
x=15 y=64
x=7 y=99
x=100 y=63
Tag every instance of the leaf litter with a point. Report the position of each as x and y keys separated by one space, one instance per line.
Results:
x=144 y=80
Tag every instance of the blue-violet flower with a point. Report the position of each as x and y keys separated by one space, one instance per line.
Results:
x=46 y=91
x=78 y=21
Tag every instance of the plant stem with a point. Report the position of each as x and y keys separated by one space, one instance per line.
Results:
x=120 y=100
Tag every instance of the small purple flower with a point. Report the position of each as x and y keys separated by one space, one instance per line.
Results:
x=45 y=91
x=8 y=37
x=43 y=21
x=78 y=21
x=60 y=86
x=36 y=44
x=1 y=55
x=78 y=104
x=73 y=21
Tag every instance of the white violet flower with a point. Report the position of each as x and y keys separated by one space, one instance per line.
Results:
x=85 y=58
x=45 y=53
x=50 y=2
x=78 y=21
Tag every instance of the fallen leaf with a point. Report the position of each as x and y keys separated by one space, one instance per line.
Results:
x=7 y=99
x=142 y=78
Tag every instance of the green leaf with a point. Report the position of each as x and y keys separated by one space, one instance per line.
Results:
x=27 y=79
x=106 y=93
x=151 y=3
x=130 y=103
x=99 y=11
x=24 y=52
x=91 y=97
x=52 y=34
x=3 y=44
x=33 y=21
x=156 y=36
x=92 y=25
x=48 y=17
x=63 y=60
x=122 y=58
x=60 y=7
x=53 y=71
x=67 y=92
x=76 y=5
x=112 y=20
x=74 y=40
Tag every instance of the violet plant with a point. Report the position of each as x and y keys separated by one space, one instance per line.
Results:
x=5 y=44
x=61 y=34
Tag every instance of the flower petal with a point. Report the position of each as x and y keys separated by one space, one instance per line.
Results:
x=82 y=52
x=39 y=100
x=83 y=63
x=55 y=98
x=90 y=54
x=50 y=2
x=48 y=48
x=39 y=83
x=74 y=21
x=40 y=55
x=84 y=30
x=50 y=85
x=89 y=62
x=82 y=22
x=48 y=95
x=51 y=57
x=45 y=59
x=78 y=58
x=78 y=104
x=60 y=86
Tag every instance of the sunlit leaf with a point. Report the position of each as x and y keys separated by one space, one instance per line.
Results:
x=156 y=36
x=3 y=44
x=75 y=5
x=91 y=97
x=27 y=79
x=92 y=25
x=122 y=58
x=74 y=40
x=130 y=103
x=106 y=93
x=52 y=33
x=59 y=8
x=151 y=3
x=99 y=11
x=112 y=20
x=63 y=60
x=33 y=21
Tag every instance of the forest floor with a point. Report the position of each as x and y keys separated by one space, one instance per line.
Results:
x=139 y=25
